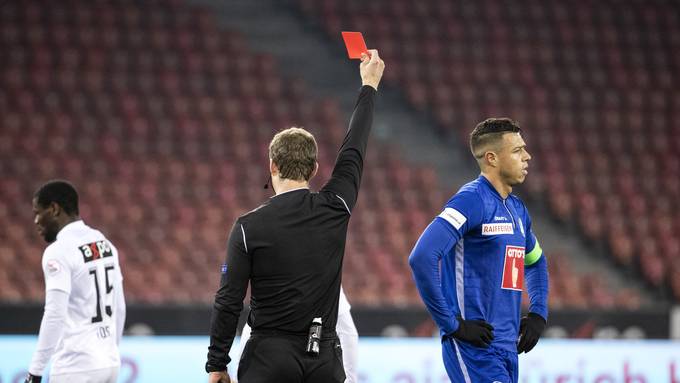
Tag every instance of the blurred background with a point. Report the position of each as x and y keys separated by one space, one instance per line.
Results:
x=160 y=112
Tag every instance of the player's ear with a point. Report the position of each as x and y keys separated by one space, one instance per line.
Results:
x=491 y=158
x=55 y=209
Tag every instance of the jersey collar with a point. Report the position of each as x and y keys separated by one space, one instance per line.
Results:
x=488 y=184
x=288 y=191
x=70 y=227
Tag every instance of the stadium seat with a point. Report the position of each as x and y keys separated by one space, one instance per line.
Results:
x=593 y=97
x=162 y=120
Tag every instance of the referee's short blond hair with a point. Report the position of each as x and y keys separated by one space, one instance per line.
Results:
x=294 y=151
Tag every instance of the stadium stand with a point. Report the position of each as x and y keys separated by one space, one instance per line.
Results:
x=594 y=84
x=162 y=120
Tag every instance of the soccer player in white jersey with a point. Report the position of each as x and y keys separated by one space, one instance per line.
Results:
x=347 y=332
x=84 y=303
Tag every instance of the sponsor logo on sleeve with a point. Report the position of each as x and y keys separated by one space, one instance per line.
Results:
x=454 y=217
x=497 y=228
x=513 y=268
x=500 y=218
x=53 y=267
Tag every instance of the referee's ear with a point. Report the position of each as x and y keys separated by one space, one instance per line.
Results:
x=273 y=169
x=316 y=169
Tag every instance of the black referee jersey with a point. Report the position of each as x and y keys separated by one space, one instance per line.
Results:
x=291 y=250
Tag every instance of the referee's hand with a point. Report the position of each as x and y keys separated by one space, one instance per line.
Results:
x=218 y=377
x=371 y=68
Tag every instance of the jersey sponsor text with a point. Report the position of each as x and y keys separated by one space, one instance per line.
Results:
x=497 y=228
x=513 y=268
x=95 y=250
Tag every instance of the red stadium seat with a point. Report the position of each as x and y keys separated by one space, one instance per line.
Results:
x=586 y=88
x=163 y=121
x=146 y=115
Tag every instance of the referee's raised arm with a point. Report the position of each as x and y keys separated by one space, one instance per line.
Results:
x=346 y=176
x=291 y=249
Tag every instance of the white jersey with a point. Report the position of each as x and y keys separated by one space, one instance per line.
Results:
x=344 y=326
x=84 y=264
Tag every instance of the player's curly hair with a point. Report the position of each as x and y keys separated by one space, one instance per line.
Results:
x=63 y=193
x=489 y=132
x=294 y=151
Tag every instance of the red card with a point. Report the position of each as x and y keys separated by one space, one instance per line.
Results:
x=354 y=41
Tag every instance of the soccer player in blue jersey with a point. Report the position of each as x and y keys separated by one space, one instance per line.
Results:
x=471 y=263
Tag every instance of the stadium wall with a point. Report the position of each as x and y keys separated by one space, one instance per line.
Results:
x=662 y=323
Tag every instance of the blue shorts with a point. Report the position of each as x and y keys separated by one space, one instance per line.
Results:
x=466 y=363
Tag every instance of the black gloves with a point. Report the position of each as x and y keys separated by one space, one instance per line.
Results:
x=479 y=333
x=530 y=329
x=476 y=332
x=33 y=379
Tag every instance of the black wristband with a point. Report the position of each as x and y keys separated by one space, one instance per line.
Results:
x=33 y=378
x=213 y=368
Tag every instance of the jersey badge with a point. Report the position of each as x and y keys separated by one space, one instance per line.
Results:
x=513 y=268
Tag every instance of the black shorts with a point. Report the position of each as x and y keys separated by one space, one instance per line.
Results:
x=283 y=359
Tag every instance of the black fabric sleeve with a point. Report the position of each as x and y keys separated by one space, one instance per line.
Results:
x=346 y=176
x=229 y=300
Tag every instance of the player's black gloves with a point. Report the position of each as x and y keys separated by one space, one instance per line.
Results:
x=33 y=379
x=476 y=332
x=530 y=329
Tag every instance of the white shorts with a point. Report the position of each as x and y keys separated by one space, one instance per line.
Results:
x=105 y=375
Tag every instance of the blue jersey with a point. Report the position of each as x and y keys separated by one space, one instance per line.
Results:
x=483 y=243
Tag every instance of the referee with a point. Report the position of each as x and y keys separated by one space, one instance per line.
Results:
x=291 y=250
